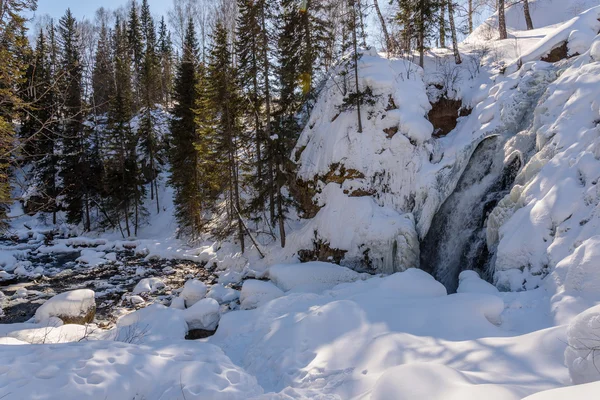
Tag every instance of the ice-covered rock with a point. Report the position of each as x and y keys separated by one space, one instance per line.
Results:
x=204 y=314
x=148 y=285
x=73 y=307
x=193 y=291
x=582 y=355
x=255 y=293
x=178 y=303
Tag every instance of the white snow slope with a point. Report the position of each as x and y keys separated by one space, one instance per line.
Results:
x=319 y=331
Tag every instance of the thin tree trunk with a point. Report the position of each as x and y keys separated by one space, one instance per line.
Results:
x=470 y=16
x=421 y=38
x=443 y=23
x=356 y=66
x=388 y=40
x=457 y=58
x=502 y=20
x=265 y=60
x=527 y=15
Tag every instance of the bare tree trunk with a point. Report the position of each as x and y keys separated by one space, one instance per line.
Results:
x=527 y=15
x=502 y=20
x=421 y=36
x=457 y=58
x=388 y=40
x=443 y=23
x=356 y=65
x=470 y=16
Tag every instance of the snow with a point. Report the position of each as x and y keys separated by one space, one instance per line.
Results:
x=193 y=291
x=72 y=304
x=223 y=294
x=148 y=285
x=310 y=276
x=256 y=293
x=204 y=314
x=588 y=391
x=470 y=282
x=110 y=370
x=582 y=356
x=150 y=324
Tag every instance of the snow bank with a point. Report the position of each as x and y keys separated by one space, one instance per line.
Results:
x=582 y=356
x=587 y=391
x=150 y=324
x=255 y=293
x=470 y=282
x=316 y=337
x=112 y=370
x=76 y=306
x=310 y=276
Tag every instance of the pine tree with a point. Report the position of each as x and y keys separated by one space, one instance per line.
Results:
x=136 y=49
x=184 y=157
x=224 y=95
x=13 y=47
x=122 y=178
x=103 y=74
x=150 y=82
x=165 y=53
x=418 y=19
x=528 y=19
x=74 y=169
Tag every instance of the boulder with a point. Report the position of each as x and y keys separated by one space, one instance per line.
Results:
x=73 y=307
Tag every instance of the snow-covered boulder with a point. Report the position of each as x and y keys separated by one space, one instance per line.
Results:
x=255 y=293
x=223 y=294
x=582 y=355
x=153 y=323
x=470 y=282
x=193 y=291
x=310 y=276
x=204 y=314
x=73 y=307
x=148 y=285
x=178 y=303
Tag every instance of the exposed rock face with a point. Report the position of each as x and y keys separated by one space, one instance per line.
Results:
x=74 y=307
x=444 y=115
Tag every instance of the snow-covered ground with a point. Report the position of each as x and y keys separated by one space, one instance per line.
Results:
x=321 y=331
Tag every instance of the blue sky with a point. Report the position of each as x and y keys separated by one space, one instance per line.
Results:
x=87 y=8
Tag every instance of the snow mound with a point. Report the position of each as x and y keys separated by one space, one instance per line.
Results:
x=76 y=306
x=92 y=257
x=204 y=314
x=470 y=282
x=150 y=324
x=582 y=356
x=112 y=370
x=255 y=293
x=223 y=294
x=148 y=285
x=193 y=291
x=413 y=382
x=310 y=276
x=54 y=334
x=582 y=392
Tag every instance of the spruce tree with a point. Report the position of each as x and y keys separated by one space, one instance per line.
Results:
x=165 y=54
x=225 y=101
x=74 y=169
x=136 y=49
x=184 y=157
x=103 y=83
x=124 y=205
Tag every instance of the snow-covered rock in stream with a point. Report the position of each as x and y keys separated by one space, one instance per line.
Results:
x=312 y=276
x=150 y=324
x=148 y=285
x=73 y=307
x=193 y=291
x=204 y=314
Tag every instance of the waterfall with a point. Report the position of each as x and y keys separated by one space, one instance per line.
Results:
x=456 y=240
